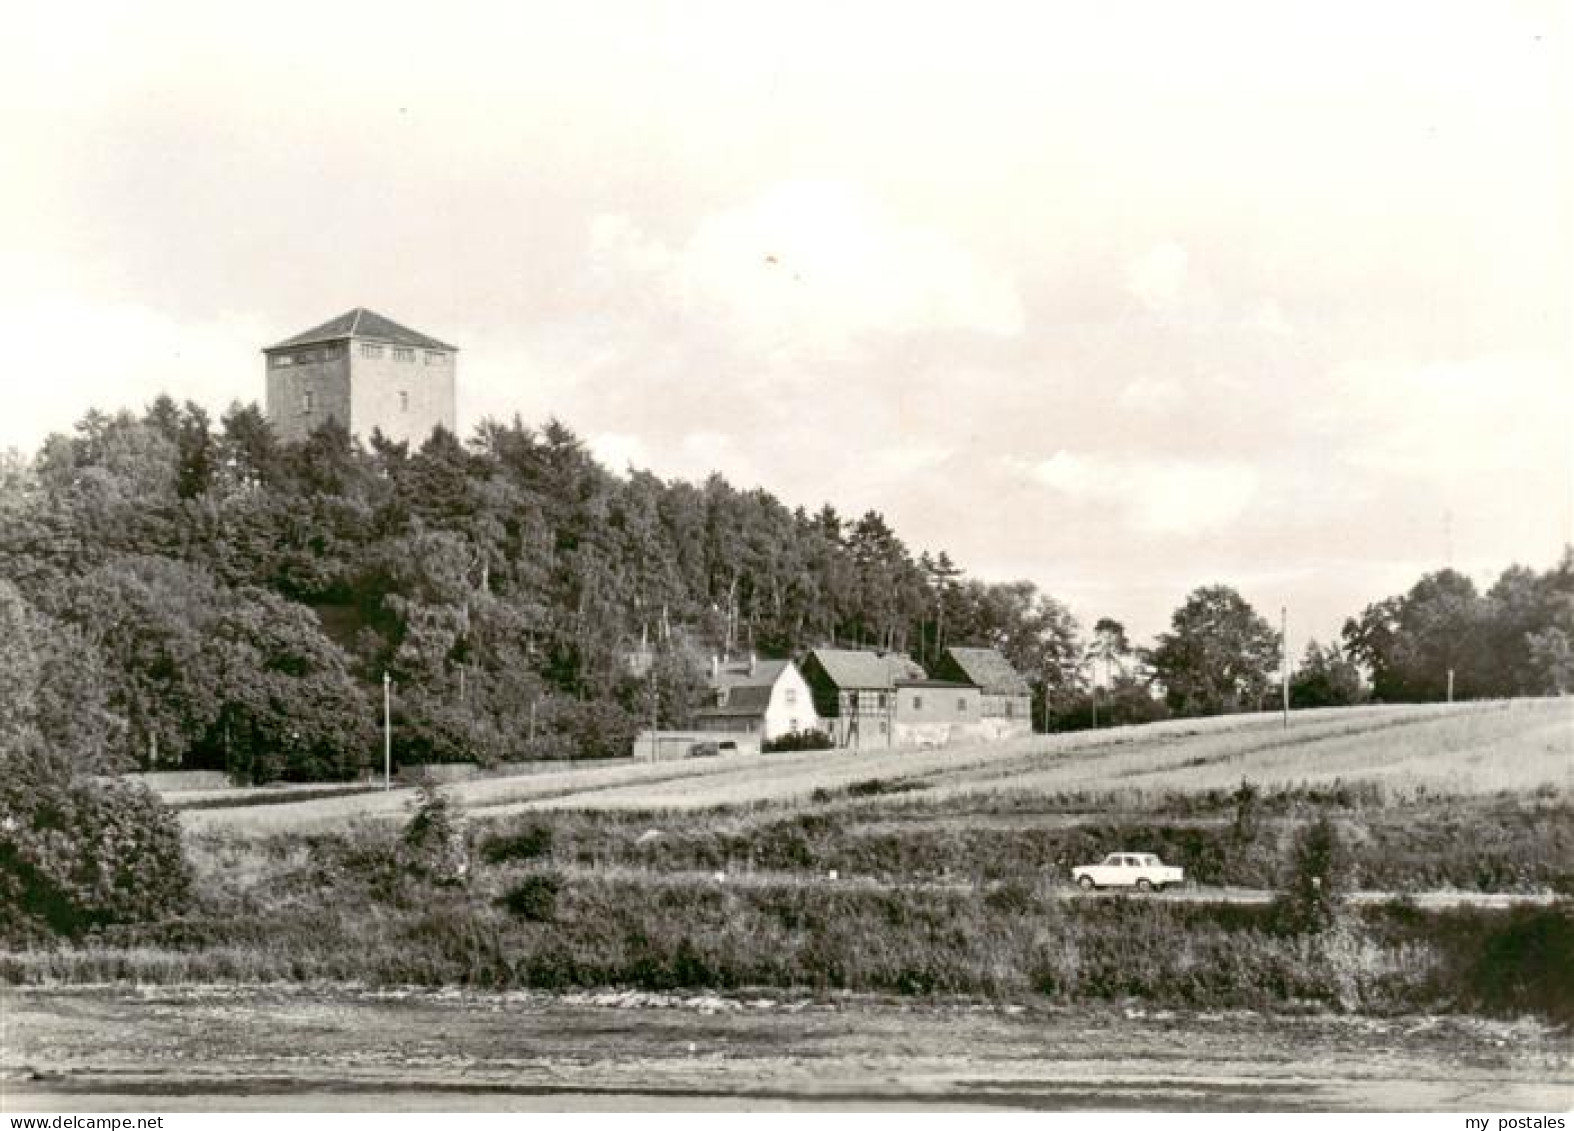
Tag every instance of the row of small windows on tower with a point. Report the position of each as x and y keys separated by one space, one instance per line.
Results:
x=404 y=353
x=368 y=349
x=306 y=357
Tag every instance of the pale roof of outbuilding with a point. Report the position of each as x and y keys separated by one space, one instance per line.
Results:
x=991 y=671
x=849 y=668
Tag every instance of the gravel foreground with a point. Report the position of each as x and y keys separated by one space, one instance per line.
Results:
x=127 y=1049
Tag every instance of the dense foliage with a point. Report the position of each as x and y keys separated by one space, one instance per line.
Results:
x=195 y=594
x=1218 y=656
x=1515 y=639
x=236 y=601
x=78 y=852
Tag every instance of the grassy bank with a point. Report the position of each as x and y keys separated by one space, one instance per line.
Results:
x=577 y=903
x=591 y=931
x=1502 y=843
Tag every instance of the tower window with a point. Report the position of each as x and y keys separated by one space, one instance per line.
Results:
x=404 y=402
x=401 y=353
x=370 y=350
x=308 y=399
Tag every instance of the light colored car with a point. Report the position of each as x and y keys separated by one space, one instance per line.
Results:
x=1140 y=870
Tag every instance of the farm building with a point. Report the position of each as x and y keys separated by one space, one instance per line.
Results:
x=671 y=745
x=855 y=693
x=762 y=698
x=1006 y=710
x=935 y=712
x=884 y=699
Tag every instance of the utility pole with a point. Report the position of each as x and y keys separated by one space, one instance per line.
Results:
x=1046 y=699
x=1284 y=660
x=387 y=731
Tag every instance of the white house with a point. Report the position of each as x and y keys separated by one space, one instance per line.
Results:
x=766 y=698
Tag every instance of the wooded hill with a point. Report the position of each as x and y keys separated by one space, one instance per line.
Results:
x=179 y=593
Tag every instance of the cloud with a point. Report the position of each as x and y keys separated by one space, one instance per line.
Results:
x=813 y=268
x=1152 y=394
x=690 y=456
x=1153 y=497
x=1158 y=277
x=618 y=451
x=82 y=352
x=1451 y=418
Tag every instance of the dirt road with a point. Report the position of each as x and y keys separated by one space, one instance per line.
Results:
x=215 y=1048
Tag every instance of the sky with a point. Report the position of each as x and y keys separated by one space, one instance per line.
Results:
x=1124 y=299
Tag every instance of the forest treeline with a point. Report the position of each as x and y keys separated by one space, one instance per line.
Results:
x=180 y=592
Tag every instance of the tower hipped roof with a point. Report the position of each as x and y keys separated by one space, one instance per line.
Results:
x=363 y=324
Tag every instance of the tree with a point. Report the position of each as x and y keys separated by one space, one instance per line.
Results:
x=1219 y=655
x=1110 y=644
x=1109 y=647
x=1435 y=638
x=1510 y=641
x=1552 y=659
x=1325 y=678
x=79 y=852
x=1317 y=879
x=1032 y=630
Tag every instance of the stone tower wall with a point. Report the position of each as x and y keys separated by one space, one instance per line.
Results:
x=406 y=396
x=326 y=376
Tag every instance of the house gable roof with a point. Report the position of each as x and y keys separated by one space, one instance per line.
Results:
x=735 y=673
x=361 y=323
x=752 y=698
x=987 y=668
x=850 y=669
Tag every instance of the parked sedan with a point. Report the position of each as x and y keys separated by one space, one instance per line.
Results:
x=1139 y=870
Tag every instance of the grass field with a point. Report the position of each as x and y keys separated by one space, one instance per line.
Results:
x=1466 y=750
x=921 y=873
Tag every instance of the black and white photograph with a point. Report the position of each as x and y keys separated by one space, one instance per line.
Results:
x=748 y=557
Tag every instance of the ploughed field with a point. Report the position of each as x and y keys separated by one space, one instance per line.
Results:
x=1520 y=746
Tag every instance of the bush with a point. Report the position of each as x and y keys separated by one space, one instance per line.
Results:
x=797 y=740
x=1525 y=963
x=434 y=839
x=528 y=843
x=535 y=898
x=79 y=853
x=588 y=729
x=1317 y=880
